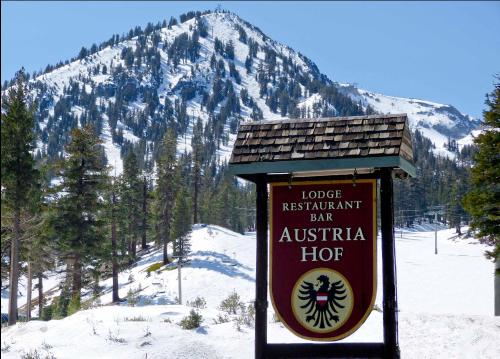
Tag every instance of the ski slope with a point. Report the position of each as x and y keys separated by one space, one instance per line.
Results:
x=445 y=303
x=440 y=123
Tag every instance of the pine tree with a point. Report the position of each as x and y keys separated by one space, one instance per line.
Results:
x=206 y=213
x=483 y=200
x=132 y=200
x=18 y=173
x=36 y=249
x=229 y=50
x=222 y=210
x=181 y=225
x=6 y=234
x=166 y=188
x=248 y=64
x=197 y=145
x=77 y=222
x=144 y=213
x=115 y=211
x=455 y=211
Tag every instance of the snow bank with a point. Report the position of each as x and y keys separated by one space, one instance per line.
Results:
x=445 y=303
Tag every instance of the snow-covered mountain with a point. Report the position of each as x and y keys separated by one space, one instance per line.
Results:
x=212 y=66
x=438 y=122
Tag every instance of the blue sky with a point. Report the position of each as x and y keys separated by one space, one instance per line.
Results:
x=446 y=52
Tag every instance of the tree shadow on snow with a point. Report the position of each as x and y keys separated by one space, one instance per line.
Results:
x=201 y=330
x=220 y=263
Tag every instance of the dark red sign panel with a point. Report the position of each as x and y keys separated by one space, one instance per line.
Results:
x=323 y=256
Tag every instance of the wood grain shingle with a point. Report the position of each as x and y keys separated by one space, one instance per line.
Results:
x=343 y=137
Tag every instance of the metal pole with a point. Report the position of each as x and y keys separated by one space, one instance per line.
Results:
x=401 y=221
x=179 y=266
x=390 y=304
x=261 y=270
x=435 y=232
x=497 y=286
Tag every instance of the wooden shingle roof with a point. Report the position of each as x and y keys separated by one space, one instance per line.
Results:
x=360 y=141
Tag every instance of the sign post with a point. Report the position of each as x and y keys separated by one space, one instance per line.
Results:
x=179 y=277
x=261 y=269
x=322 y=176
x=389 y=301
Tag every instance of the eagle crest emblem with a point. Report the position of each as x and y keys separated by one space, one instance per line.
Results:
x=322 y=300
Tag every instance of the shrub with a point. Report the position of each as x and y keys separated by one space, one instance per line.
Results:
x=47 y=312
x=249 y=315
x=199 y=303
x=131 y=298
x=140 y=318
x=115 y=338
x=46 y=346
x=246 y=317
x=60 y=309
x=238 y=323
x=222 y=318
x=5 y=347
x=154 y=267
x=93 y=302
x=93 y=324
x=192 y=321
x=130 y=278
x=74 y=304
x=34 y=354
x=231 y=304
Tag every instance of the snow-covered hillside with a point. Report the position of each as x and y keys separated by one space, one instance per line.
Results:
x=445 y=302
x=173 y=79
x=134 y=87
x=439 y=123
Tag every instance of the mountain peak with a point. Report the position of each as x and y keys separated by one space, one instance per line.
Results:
x=212 y=66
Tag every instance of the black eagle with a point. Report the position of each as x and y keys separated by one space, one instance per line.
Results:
x=322 y=304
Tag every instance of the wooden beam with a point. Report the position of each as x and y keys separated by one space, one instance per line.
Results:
x=408 y=167
x=336 y=350
x=390 y=348
x=261 y=269
x=287 y=166
x=390 y=305
x=286 y=177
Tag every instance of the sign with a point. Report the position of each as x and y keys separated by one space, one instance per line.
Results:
x=323 y=255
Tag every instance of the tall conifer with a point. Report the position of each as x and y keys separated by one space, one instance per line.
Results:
x=483 y=201
x=114 y=212
x=18 y=173
x=36 y=248
x=166 y=189
x=78 y=223
x=181 y=224
x=145 y=211
x=131 y=199
x=197 y=145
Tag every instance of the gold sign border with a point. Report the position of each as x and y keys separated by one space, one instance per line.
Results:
x=369 y=309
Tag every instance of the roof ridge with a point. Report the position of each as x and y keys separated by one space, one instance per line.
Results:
x=323 y=119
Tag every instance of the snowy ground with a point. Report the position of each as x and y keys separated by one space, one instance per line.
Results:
x=445 y=302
